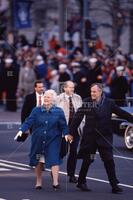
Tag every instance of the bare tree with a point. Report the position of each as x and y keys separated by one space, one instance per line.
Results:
x=117 y=16
x=115 y=12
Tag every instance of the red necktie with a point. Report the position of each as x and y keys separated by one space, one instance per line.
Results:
x=71 y=110
x=40 y=100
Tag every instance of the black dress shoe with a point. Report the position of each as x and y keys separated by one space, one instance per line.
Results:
x=56 y=187
x=83 y=187
x=117 y=190
x=73 y=179
x=38 y=187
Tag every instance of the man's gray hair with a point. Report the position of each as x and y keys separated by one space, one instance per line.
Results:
x=99 y=85
x=67 y=82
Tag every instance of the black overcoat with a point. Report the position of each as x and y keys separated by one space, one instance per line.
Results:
x=98 y=126
x=29 y=104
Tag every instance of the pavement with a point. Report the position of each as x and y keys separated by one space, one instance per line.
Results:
x=17 y=179
x=7 y=116
x=9 y=120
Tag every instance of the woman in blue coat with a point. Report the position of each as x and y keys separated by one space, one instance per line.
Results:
x=48 y=124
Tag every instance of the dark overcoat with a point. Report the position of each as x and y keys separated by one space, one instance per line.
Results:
x=98 y=126
x=29 y=104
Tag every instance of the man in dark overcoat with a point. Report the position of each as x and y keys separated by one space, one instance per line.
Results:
x=31 y=100
x=97 y=134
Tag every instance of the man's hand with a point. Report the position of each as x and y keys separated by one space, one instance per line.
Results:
x=69 y=138
x=18 y=134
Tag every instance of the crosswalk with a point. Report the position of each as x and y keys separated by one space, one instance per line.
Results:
x=6 y=199
x=6 y=166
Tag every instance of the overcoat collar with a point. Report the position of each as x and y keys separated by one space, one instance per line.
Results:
x=52 y=109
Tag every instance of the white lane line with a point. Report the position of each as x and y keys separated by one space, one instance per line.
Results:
x=10 y=123
x=14 y=167
x=2 y=199
x=91 y=178
x=6 y=131
x=100 y=180
x=122 y=157
x=96 y=179
x=16 y=163
x=4 y=169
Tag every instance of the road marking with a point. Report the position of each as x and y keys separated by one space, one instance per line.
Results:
x=2 y=199
x=4 y=169
x=16 y=163
x=122 y=157
x=96 y=179
x=14 y=167
x=100 y=180
x=7 y=131
x=10 y=123
x=64 y=173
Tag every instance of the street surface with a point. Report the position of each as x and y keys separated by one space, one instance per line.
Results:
x=17 y=178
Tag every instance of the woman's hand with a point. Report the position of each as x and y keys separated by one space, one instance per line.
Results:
x=18 y=134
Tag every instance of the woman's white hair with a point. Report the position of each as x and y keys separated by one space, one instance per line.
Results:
x=53 y=93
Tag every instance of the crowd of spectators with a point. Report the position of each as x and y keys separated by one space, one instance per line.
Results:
x=21 y=63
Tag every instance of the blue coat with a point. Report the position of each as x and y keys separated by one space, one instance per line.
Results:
x=47 y=130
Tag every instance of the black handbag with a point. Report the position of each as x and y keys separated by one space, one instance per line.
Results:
x=64 y=148
x=23 y=137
